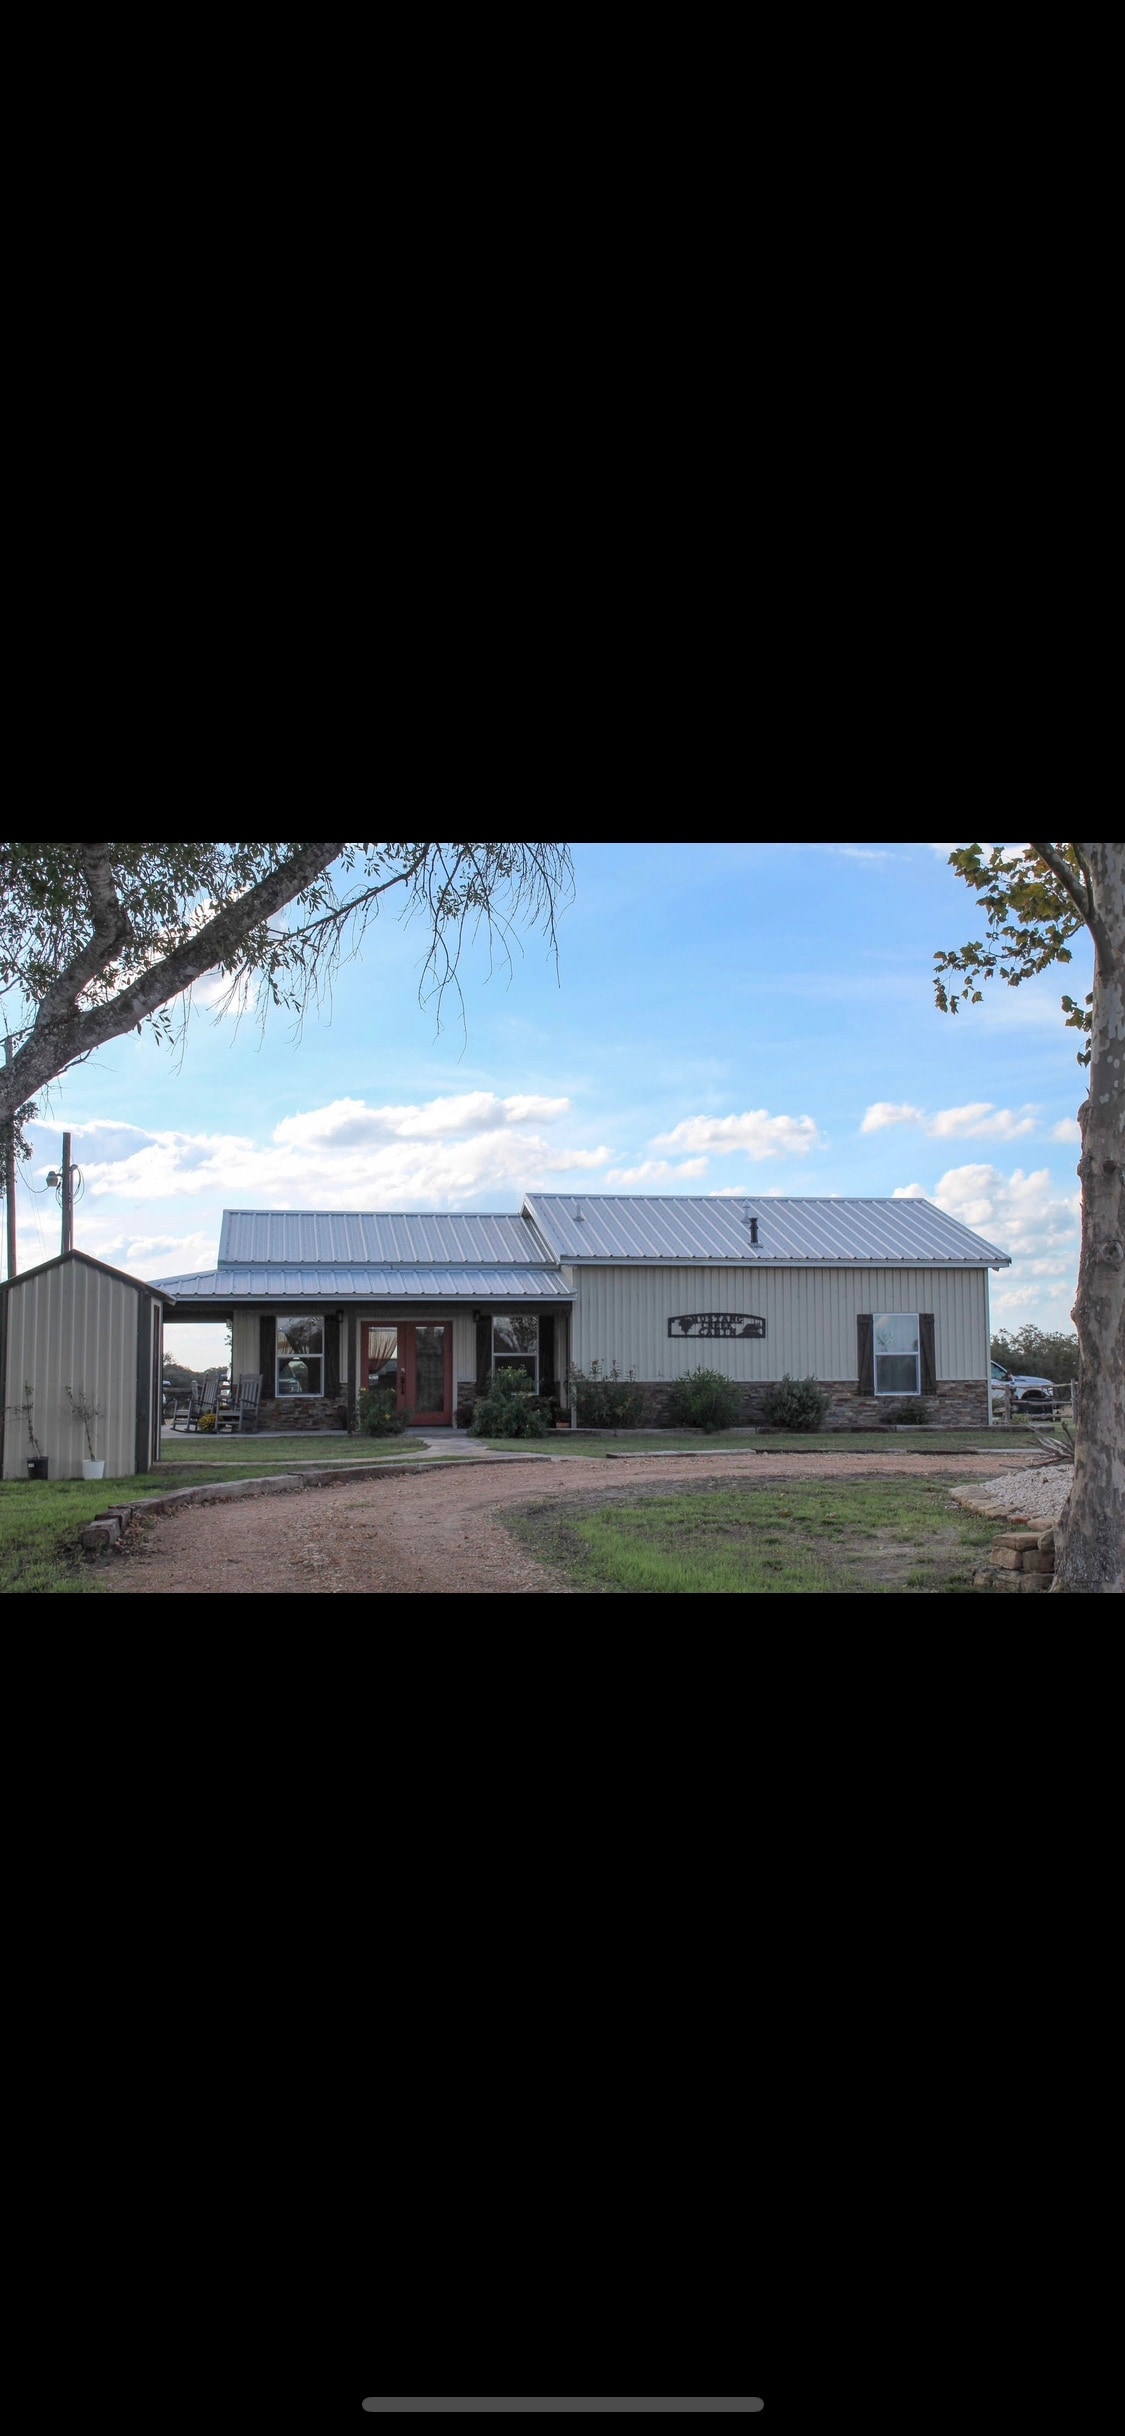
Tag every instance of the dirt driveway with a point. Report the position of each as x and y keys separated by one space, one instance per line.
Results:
x=442 y=1531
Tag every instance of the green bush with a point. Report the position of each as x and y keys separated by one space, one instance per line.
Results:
x=704 y=1399
x=605 y=1399
x=509 y=1407
x=795 y=1404
x=910 y=1412
x=380 y=1414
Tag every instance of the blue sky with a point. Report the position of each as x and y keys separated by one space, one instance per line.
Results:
x=725 y=1019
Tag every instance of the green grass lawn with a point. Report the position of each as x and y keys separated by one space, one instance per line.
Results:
x=870 y=1536
x=41 y=1520
x=226 y=1456
x=779 y=1442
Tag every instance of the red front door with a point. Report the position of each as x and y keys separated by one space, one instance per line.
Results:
x=415 y=1358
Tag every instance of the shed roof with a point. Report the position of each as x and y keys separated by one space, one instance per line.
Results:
x=581 y=1227
x=162 y=1293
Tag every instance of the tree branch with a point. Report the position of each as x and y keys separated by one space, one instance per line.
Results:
x=1079 y=896
x=109 y=934
x=63 y=1032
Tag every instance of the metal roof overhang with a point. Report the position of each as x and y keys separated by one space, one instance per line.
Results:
x=217 y=1293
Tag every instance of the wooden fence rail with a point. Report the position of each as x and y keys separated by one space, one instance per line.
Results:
x=1063 y=1402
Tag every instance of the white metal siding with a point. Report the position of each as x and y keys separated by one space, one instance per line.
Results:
x=245 y=1355
x=73 y=1325
x=464 y=1349
x=622 y=1316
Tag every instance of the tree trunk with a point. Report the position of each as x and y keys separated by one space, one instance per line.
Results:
x=1090 y=1540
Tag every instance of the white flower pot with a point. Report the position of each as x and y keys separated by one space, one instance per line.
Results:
x=93 y=1471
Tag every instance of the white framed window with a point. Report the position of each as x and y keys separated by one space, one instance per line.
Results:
x=300 y=1354
x=897 y=1347
x=515 y=1343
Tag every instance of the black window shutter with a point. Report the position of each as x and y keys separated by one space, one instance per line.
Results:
x=267 y=1354
x=865 y=1352
x=484 y=1350
x=332 y=1355
x=547 y=1384
x=926 y=1341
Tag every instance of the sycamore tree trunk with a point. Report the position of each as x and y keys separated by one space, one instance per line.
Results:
x=1090 y=1542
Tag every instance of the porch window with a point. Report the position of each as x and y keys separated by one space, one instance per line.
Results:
x=515 y=1344
x=300 y=1355
x=897 y=1344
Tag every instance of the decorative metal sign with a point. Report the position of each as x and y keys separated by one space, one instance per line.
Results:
x=717 y=1323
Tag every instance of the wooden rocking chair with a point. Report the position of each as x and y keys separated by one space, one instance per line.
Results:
x=204 y=1399
x=242 y=1411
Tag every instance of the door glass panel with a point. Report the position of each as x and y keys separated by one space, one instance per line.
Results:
x=382 y=1356
x=429 y=1369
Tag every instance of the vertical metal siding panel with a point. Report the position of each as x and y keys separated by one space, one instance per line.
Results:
x=955 y=1296
x=622 y=1316
x=810 y=1315
x=79 y=1328
x=244 y=1346
x=464 y=1348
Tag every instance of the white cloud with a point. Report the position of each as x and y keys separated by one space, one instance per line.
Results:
x=890 y=1112
x=654 y=1171
x=217 y=993
x=764 y=1136
x=343 y=1124
x=1069 y=1130
x=1023 y=1214
x=980 y=1117
x=909 y=1192
x=334 y=1158
x=163 y=1255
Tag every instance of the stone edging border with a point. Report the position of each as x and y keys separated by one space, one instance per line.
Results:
x=108 y=1525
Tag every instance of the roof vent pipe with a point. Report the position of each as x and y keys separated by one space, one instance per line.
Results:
x=753 y=1230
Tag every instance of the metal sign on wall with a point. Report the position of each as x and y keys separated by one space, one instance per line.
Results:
x=717 y=1323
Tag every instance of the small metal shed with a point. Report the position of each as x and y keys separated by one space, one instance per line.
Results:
x=76 y=1322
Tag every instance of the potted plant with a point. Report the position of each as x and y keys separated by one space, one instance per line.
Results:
x=36 y=1462
x=87 y=1411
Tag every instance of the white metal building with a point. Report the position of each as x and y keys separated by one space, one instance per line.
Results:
x=876 y=1299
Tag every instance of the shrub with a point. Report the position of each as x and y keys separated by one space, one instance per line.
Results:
x=207 y=1421
x=909 y=1411
x=509 y=1407
x=795 y=1403
x=605 y=1399
x=704 y=1399
x=380 y=1413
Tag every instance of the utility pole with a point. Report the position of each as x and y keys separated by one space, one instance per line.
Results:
x=67 y=1197
x=64 y=1176
x=10 y=1173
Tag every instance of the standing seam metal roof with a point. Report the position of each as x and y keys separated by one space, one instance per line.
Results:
x=319 y=1281
x=910 y=1232
x=383 y=1238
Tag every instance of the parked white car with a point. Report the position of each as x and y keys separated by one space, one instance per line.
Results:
x=1026 y=1389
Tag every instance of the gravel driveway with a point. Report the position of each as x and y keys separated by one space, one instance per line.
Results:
x=441 y=1531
